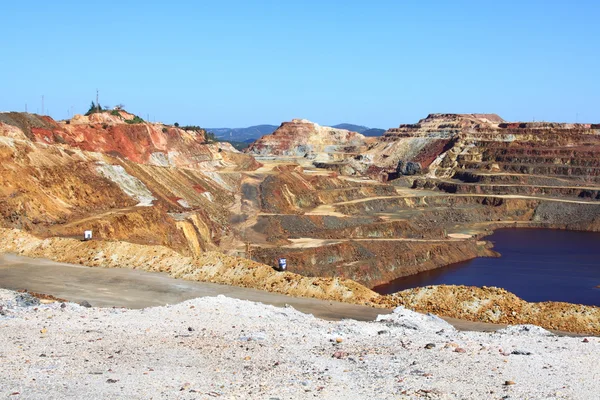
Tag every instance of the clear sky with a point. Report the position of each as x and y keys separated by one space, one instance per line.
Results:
x=239 y=63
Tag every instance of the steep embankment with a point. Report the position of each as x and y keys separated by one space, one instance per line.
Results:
x=374 y=261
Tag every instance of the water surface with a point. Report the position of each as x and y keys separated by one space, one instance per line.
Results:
x=536 y=265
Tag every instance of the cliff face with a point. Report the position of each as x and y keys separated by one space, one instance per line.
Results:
x=302 y=138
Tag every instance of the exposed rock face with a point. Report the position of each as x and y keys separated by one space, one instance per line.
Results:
x=302 y=138
x=408 y=168
x=140 y=182
x=376 y=261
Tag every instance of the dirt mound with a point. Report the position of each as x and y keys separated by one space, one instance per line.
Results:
x=490 y=304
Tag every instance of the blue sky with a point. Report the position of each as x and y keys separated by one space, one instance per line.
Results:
x=239 y=63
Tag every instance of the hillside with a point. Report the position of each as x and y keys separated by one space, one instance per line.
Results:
x=138 y=182
x=351 y=127
x=363 y=130
x=302 y=138
x=252 y=133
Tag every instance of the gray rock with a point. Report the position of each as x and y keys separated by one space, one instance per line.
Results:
x=85 y=304
x=408 y=168
x=26 y=300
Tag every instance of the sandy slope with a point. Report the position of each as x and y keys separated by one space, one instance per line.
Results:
x=225 y=348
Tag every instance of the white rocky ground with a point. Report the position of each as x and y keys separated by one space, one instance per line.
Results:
x=224 y=348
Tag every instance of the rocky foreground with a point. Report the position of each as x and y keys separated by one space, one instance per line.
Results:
x=226 y=348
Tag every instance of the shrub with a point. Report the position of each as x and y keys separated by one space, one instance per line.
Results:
x=164 y=129
x=115 y=113
x=210 y=137
x=135 y=120
x=94 y=108
x=192 y=128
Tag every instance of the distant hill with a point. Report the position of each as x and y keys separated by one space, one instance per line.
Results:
x=373 y=132
x=351 y=127
x=250 y=133
x=361 y=129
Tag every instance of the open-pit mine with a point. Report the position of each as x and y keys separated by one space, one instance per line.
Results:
x=347 y=212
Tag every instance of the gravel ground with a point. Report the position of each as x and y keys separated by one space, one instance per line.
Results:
x=218 y=347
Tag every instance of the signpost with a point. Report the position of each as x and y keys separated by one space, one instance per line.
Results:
x=282 y=264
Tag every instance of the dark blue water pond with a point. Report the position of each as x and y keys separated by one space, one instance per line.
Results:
x=536 y=265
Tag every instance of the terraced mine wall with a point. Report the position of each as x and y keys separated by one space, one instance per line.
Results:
x=470 y=174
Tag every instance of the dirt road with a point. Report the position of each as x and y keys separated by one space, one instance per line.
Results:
x=104 y=287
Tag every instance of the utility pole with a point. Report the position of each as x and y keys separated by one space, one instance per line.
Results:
x=25 y=107
x=42 y=104
x=97 y=103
